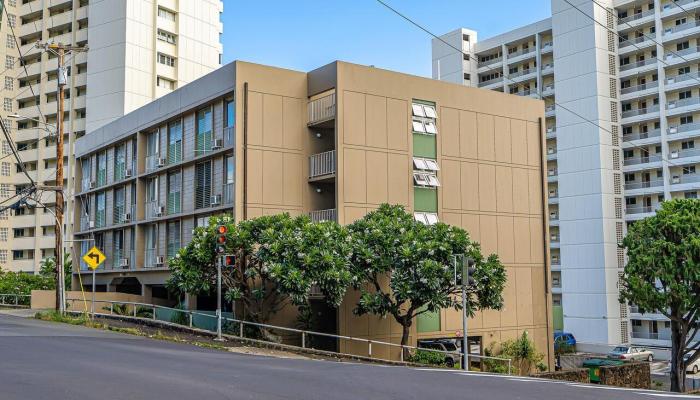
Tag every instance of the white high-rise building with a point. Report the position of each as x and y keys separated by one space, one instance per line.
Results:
x=621 y=85
x=139 y=50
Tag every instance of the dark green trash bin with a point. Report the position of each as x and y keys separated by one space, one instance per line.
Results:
x=594 y=365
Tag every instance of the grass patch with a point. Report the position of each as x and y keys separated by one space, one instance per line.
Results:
x=55 y=316
x=128 y=331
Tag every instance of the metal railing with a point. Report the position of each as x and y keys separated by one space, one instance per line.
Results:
x=546 y=46
x=490 y=62
x=635 y=17
x=639 y=88
x=550 y=108
x=682 y=78
x=640 y=111
x=641 y=209
x=684 y=153
x=322 y=164
x=641 y=135
x=688 y=178
x=100 y=218
x=322 y=109
x=638 y=40
x=203 y=143
x=237 y=329
x=323 y=215
x=652 y=335
x=491 y=81
x=521 y=52
x=682 y=103
x=644 y=184
x=678 y=54
x=676 y=3
x=638 y=64
x=15 y=300
x=682 y=27
x=522 y=73
x=672 y=130
x=642 y=160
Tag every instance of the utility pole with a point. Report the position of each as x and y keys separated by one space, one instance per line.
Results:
x=60 y=50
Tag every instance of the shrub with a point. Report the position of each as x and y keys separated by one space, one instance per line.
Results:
x=427 y=357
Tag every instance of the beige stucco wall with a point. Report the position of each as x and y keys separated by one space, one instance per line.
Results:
x=79 y=301
x=489 y=150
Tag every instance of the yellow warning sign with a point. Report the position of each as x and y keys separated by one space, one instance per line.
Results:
x=94 y=257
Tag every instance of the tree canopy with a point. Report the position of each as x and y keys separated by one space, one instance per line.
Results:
x=404 y=268
x=662 y=275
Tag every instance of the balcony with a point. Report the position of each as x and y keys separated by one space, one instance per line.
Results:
x=552 y=175
x=548 y=90
x=322 y=165
x=551 y=154
x=642 y=159
x=681 y=56
x=682 y=106
x=681 y=154
x=490 y=62
x=550 y=110
x=322 y=110
x=521 y=54
x=229 y=136
x=152 y=162
x=637 y=43
x=551 y=132
x=679 y=7
x=638 y=90
x=680 y=31
x=324 y=215
x=638 y=67
x=681 y=183
x=548 y=69
x=663 y=335
x=684 y=131
x=153 y=210
x=150 y=258
x=635 y=18
x=522 y=75
x=682 y=81
x=644 y=184
x=655 y=133
x=641 y=114
x=122 y=259
x=547 y=47
x=490 y=82
x=553 y=197
x=630 y=210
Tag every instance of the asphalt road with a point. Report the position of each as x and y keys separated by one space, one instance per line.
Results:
x=42 y=360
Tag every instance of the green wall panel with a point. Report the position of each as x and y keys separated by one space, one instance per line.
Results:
x=429 y=322
x=425 y=199
x=424 y=145
x=558 y=314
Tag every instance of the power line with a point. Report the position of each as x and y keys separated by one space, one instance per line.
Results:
x=558 y=105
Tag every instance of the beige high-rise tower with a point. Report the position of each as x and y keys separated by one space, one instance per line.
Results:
x=139 y=50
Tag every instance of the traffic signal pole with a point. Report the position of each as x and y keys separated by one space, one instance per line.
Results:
x=218 y=298
x=465 y=339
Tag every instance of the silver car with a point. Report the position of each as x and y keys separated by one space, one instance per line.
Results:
x=631 y=353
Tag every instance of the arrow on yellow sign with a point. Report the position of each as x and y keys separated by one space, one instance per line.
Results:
x=93 y=258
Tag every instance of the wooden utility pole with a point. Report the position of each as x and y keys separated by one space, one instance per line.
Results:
x=60 y=50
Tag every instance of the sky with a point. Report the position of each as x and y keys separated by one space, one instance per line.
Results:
x=307 y=34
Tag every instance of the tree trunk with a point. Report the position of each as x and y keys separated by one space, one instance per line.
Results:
x=677 y=350
x=404 y=339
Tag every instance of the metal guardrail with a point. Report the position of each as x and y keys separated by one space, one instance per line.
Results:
x=239 y=331
x=322 y=164
x=15 y=300
x=323 y=215
x=322 y=109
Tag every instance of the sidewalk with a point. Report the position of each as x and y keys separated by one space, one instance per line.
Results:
x=19 y=312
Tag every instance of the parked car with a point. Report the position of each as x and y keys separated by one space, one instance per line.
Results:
x=693 y=367
x=631 y=353
x=564 y=340
x=452 y=355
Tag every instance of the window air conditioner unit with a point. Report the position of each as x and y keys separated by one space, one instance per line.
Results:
x=673 y=129
x=91 y=224
x=124 y=262
x=160 y=210
x=216 y=200
x=128 y=173
x=127 y=217
x=160 y=260
x=218 y=143
x=676 y=179
x=93 y=184
x=161 y=162
x=671 y=80
x=674 y=154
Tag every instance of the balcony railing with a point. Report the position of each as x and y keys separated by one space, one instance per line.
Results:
x=550 y=108
x=521 y=52
x=638 y=40
x=203 y=143
x=554 y=217
x=101 y=177
x=324 y=215
x=675 y=154
x=322 y=164
x=677 y=3
x=639 y=88
x=640 y=111
x=641 y=135
x=641 y=209
x=681 y=179
x=642 y=160
x=152 y=162
x=490 y=62
x=682 y=103
x=637 y=64
x=635 y=17
x=153 y=210
x=547 y=46
x=644 y=184
x=682 y=78
x=673 y=130
x=555 y=261
x=322 y=109
x=671 y=54
x=521 y=73
x=663 y=335
x=491 y=81
x=682 y=27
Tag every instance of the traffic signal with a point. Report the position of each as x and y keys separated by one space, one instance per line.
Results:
x=221 y=231
x=468 y=270
x=229 y=261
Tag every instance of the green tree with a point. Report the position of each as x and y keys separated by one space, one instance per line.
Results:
x=279 y=259
x=404 y=268
x=662 y=276
x=22 y=283
x=523 y=353
x=47 y=269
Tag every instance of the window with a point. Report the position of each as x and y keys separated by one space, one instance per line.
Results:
x=9 y=83
x=18 y=232
x=166 y=36
x=203 y=138
x=202 y=176
x=687 y=120
x=174 y=237
x=424 y=116
x=682 y=46
x=100 y=211
x=425 y=164
x=166 y=83
x=4 y=214
x=681 y=21
x=685 y=95
x=230 y=110
x=5 y=169
x=229 y=176
x=9 y=62
x=10 y=43
x=166 y=14
x=152 y=190
x=691 y=195
x=102 y=169
x=7 y=104
x=467 y=77
x=166 y=60
x=426 y=179
x=689 y=170
x=426 y=218
x=119 y=207
x=119 y=162
x=690 y=144
x=174 y=142
x=117 y=247
x=684 y=70
x=174 y=192
x=465 y=37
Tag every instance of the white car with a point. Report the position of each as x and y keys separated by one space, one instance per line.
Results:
x=693 y=367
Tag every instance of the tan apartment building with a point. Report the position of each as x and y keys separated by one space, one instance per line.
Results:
x=139 y=50
x=335 y=143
